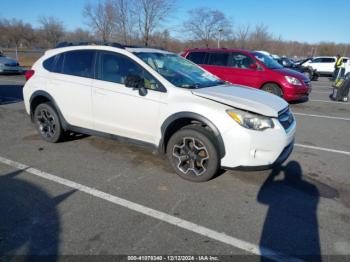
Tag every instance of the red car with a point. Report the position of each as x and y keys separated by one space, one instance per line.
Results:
x=252 y=69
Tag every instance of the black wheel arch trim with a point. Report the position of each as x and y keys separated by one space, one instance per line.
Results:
x=42 y=93
x=172 y=118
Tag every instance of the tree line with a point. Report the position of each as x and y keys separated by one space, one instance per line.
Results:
x=144 y=22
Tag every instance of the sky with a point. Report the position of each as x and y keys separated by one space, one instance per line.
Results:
x=310 y=21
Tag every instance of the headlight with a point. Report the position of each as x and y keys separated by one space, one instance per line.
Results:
x=250 y=120
x=293 y=80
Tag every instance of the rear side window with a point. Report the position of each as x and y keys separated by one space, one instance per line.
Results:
x=49 y=63
x=218 y=59
x=328 y=60
x=317 y=60
x=78 y=63
x=57 y=68
x=197 y=57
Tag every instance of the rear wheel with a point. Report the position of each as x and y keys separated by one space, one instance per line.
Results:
x=48 y=123
x=193 y=155
x=273 y=89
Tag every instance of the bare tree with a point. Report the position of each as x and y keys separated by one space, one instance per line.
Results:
x=52 y=30
x=101 y=18
x=206 y=24
x=150 y=14
x=260 y=38
x=125 y=20
x=242 y=35
x=17 y=33
x=78 y=35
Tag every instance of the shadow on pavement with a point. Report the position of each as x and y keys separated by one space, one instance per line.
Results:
x=29 y=220
x=291 y=225
x=300 y=101
x=10 y=94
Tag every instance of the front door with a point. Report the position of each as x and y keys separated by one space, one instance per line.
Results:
x=120 y=110
x=245 y=70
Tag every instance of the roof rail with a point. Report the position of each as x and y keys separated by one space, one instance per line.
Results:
x=145 y=46
x=112 y=44
x=65 y=44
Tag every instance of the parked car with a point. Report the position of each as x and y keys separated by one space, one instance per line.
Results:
x=9 y=65
x=253 y=69
x=159 y=99
x=324 y=65
x=306 y=70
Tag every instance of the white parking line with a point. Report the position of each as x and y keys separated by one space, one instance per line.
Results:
x=322 y=116
x=321 y=92
x=326 y=101
x=324 y=149
x=221 y=237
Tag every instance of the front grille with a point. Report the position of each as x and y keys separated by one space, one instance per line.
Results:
x=285 y=117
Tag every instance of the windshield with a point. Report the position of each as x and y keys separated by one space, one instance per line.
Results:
x=268 y=61
x=179 y=71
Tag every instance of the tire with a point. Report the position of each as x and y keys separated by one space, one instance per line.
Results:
x=273 y=89
x=193 y=154
x=48 y=123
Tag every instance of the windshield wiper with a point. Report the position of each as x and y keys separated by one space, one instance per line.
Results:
x=195 y=86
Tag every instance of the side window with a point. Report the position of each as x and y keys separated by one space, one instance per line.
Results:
x=115 y=68
x=239 y=60
x=316 y=60
x=57 y=67
x=218 y=59
x=49 y=63
x=197 y=57
x=79 y=63
x=328 y=60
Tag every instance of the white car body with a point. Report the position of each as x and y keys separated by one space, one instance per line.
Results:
x=346 y=65
x=114 y=109
x=322 y=64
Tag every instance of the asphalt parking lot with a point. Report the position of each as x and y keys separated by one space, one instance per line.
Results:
x=93 y=196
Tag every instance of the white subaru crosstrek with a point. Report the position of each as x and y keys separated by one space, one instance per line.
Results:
x=157 y=98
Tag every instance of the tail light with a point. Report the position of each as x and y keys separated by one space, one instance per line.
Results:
x=29 y=74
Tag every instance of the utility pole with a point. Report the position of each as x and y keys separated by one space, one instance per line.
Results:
x=220 y=31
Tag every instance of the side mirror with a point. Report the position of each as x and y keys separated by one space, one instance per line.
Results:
x=136 y=83
x=253 y=66
x=133 y=81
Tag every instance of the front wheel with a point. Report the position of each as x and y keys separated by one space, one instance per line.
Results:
x=193 y=155
x=273 y=89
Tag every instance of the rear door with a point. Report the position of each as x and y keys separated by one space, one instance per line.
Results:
x=328 y=64
x=70 y=84
x=217 y=64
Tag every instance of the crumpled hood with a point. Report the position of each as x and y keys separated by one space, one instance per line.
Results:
x=6 y=60
x=245 y=98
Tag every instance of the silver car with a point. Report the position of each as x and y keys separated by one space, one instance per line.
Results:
x=9 y=65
